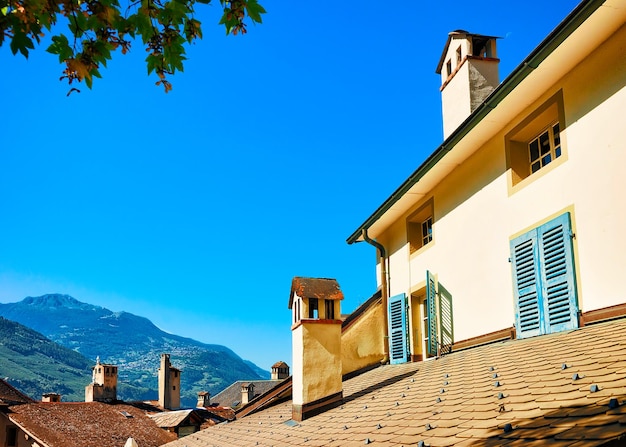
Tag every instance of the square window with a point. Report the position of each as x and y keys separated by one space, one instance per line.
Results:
x=420 y=227
x=536 y=141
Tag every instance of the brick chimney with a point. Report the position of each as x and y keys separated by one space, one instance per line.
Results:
x=169 y=384
x=280 y=371
x=469 y=73
x=103 y=386
x=316 y=346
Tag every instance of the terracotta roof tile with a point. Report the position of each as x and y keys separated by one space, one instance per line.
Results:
x=536 y=403
x=82 y=424
x=10 y=395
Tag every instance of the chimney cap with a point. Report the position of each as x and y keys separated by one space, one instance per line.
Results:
x=321 y=288
x=460 y=33
x=280 y=364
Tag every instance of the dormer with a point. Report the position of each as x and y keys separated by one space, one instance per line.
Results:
x=469 y=73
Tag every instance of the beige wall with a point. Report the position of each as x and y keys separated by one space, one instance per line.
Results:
x=320 y=362
x=477 y=211
x=362 y=343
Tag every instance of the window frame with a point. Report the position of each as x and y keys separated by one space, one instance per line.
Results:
x=529 y=129
x=416 y=237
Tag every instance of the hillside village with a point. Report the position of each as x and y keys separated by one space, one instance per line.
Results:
x=499 y=317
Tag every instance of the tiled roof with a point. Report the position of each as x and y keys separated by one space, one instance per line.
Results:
x=554 y=389
x=11 y=396
x=322 y=288
x=280 y=364
x=88 y=424
x=231 y=396
x=169 y=419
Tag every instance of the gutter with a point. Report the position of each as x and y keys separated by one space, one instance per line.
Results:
x=563 y=30
x=384 y=288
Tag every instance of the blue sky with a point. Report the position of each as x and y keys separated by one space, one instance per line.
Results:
x=197 y=208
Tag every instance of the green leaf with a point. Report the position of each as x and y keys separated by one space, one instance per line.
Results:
x=60 y=46
x=21 y=42
x=255 y=10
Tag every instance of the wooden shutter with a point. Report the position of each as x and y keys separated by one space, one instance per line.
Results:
x=398 y=347
x=431 y=308
x=556 y=265
x=543 y=279
x=524 y=258
x=445 y=320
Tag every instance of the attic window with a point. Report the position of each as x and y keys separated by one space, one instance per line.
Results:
x=536 y=141
x=458 y=56
x=420 y=227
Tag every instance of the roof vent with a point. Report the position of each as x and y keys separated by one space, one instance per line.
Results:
x=497 y=384
x=500 y=395
x=429 y=427
x=594 y=388
x=564 y=366
x=613 y=403
x=368 y=441
x=508 y=428
x=576 y=376
x=126 y=414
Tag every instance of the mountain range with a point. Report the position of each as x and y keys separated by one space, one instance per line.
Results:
x=131 y=342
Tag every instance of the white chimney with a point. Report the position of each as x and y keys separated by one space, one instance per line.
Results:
x=469 y=73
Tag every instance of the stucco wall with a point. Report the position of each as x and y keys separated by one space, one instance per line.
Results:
x=320 y=361
x=362 y=343
x=477 y=211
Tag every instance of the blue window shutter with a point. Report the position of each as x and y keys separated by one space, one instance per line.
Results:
x=524 y=259
x=557 y=274
x=445 y=320
x=431 y=308
x=398 y=347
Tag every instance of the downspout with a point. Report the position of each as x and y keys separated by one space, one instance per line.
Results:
x=384 y=288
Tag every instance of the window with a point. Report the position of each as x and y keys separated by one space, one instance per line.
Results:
x=449 y=68
x=543 y=279
x=11 y=436
x=432 y=324
x=313 y=309
x=420 y=227
x=458 y=56
x=545 y=148
x=329 y=309
x=536 y=142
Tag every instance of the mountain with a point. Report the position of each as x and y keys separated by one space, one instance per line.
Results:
x=36 y=365
x=134 y=344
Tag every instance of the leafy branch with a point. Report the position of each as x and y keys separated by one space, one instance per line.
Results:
x=97 y=28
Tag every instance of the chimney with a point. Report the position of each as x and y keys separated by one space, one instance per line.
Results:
x=103 y=386
x=51 y=397
x=316 y=346
x=169 y=384
x=469 y=73
x=247 y=393
x=204 y=399
x=280 y=371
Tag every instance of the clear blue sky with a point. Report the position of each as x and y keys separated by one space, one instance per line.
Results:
x=197 y=208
